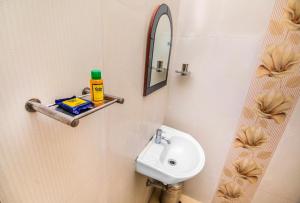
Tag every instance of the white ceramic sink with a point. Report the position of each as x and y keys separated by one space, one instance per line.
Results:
x=171 y=163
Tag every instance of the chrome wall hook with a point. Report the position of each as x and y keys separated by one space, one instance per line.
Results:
x=184 y=70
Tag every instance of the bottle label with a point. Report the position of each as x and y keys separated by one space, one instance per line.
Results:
x=97 y=92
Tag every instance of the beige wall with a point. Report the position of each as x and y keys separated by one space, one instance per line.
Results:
x=47 y=50
x=221 y=42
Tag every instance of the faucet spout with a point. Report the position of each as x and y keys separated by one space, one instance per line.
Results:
x=166 y=139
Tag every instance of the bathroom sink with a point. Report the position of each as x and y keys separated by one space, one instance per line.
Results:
x=173 y=162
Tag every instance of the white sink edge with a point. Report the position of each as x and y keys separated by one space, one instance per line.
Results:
x=190 y=137
x=148 y=159
x=173 y=132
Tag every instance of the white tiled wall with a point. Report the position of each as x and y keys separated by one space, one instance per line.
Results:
x=221 y=42
x=47 y=51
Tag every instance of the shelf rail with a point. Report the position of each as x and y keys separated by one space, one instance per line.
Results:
x=35 y=105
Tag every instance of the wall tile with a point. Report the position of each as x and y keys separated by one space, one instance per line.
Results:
x=194 y=102
x=283 y=175
x=47 y=50
x=221 y=51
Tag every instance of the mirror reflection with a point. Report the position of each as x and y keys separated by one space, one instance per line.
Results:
x=161 y=51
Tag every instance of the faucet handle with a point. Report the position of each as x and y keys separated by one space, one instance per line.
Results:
x=158 y=136
x=159 y=132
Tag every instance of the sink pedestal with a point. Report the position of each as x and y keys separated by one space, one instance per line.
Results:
x=168 y=193
x=172 y=194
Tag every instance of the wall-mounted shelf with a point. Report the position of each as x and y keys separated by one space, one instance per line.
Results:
x=53 y=111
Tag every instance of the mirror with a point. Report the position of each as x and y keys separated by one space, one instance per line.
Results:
x=158 y=50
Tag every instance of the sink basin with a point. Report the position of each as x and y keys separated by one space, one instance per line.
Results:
x=171 y=163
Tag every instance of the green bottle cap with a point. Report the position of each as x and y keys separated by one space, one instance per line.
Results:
x=96 y=74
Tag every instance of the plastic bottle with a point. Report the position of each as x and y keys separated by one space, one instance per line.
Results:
x=96 y=85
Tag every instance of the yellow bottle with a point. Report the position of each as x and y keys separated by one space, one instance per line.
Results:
x=96 y=85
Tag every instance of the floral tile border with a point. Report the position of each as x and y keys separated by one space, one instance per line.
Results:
x=272 y=96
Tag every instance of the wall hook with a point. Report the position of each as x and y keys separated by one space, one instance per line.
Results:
x=184 y=70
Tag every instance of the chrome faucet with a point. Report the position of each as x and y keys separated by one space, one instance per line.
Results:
x=159 y=137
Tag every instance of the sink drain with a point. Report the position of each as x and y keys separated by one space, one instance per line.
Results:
x=172 y=162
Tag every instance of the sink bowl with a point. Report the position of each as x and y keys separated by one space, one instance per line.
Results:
x=171 y=163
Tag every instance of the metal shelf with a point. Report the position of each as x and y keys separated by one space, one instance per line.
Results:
x=53 y=111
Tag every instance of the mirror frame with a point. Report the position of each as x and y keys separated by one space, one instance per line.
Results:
x=161 y=10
